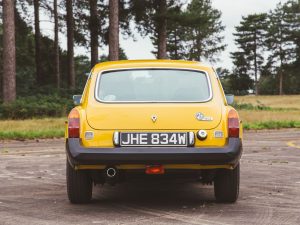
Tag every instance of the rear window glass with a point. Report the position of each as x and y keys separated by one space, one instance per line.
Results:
x=153 y=85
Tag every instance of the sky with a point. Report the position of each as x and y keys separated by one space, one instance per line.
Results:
x=232 y=12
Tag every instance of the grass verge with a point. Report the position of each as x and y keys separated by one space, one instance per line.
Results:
x=21 y=135
x=32 y=129
x=54 y=127
x=272 y=101
x=271 y=125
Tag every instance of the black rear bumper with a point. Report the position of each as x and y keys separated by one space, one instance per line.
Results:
x=228 y=155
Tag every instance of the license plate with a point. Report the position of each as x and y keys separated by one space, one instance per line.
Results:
x=153 y=139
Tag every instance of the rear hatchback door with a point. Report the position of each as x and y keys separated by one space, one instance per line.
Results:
x=151 y=99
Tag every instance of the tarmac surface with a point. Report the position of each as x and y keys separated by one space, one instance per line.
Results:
x=33 y=189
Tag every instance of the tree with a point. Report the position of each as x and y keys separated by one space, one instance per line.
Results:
x=152 y=18
x=239 y=81
x=56 y=45
x=94 y=26
x=224 y=76
x=113 y=30
x=37 y=36
x=70 y=40
x=250 y=38
x=9 y=52
x=176 y=32
x=122 y=56
x=203 y=24
x=89 y=30
x=281 y=46
x=162 y=30
x=87 y=16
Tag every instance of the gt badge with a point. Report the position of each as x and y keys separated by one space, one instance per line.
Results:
x=200 y=116
x=153 y=118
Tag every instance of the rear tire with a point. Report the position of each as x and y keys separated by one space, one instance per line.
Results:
x=79 y=185
x=227 y=184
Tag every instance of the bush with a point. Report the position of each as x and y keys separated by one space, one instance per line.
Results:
x=38 y=106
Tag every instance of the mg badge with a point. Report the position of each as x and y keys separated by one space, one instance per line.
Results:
x=200 y=116
x=153 y=118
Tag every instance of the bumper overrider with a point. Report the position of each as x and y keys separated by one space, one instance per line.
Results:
x=227 y=155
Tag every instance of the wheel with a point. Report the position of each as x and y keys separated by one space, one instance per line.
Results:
x=227 y=184
x=79 y=185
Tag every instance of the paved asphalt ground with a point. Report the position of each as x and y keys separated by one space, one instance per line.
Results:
x=33 y=189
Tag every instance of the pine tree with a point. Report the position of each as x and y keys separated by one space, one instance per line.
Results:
x=113 y=30
x=9 y=51
x=56 y=45
x=70 y=40
x=94 y=27
x=240 y=81
x=176 y=31
x=152 y=19
x=37 y=36
x=162 y=30
x=204 y=26
x=250 y=38
x=280 y=44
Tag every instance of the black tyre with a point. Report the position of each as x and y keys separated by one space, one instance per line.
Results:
x=79 y=185
x=227 y=184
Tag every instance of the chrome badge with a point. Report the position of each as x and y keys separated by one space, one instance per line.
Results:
x=153 y=118
x=200 y=116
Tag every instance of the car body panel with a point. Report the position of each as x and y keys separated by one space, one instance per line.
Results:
x=103 y=119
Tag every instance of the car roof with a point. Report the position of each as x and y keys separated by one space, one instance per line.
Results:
x=150 y=63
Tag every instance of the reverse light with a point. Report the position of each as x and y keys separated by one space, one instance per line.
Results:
x=74 y=124
x=201 y=135
x=89 y=135
x=233 y=124
x=155 y=170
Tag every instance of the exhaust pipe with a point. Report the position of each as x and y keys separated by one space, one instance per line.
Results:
x=111 y=172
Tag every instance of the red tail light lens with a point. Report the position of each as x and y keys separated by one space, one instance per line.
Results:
x=233 y=124
x=155 y=170
x=74 y=124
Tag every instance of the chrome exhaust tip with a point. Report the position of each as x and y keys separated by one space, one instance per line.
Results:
x=111 y=172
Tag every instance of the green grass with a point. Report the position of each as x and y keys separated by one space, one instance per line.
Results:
x=21 y=135
x=273 y=101
x=32 y=128
x=271 y=125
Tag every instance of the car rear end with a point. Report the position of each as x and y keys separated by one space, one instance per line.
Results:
x=153 y=118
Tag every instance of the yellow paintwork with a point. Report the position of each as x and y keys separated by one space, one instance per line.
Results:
x=103 y=119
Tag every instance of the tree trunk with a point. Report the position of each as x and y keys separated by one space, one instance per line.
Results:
x=94 y=26
x=280 y=82
x=37 y=37
x=281 y=71
x=162 y=30
x=113 y=30
x=9 y=52
x=56 y=46
x=70 y=40
x=255 y=67
x=176 y=44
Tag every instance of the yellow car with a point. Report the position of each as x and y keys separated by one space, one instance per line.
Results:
x=153 y=118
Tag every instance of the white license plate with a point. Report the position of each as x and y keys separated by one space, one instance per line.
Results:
x=153 y=139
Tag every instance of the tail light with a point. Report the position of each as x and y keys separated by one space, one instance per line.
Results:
x=159 y=169
x=74 y=124
x=233 y=124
